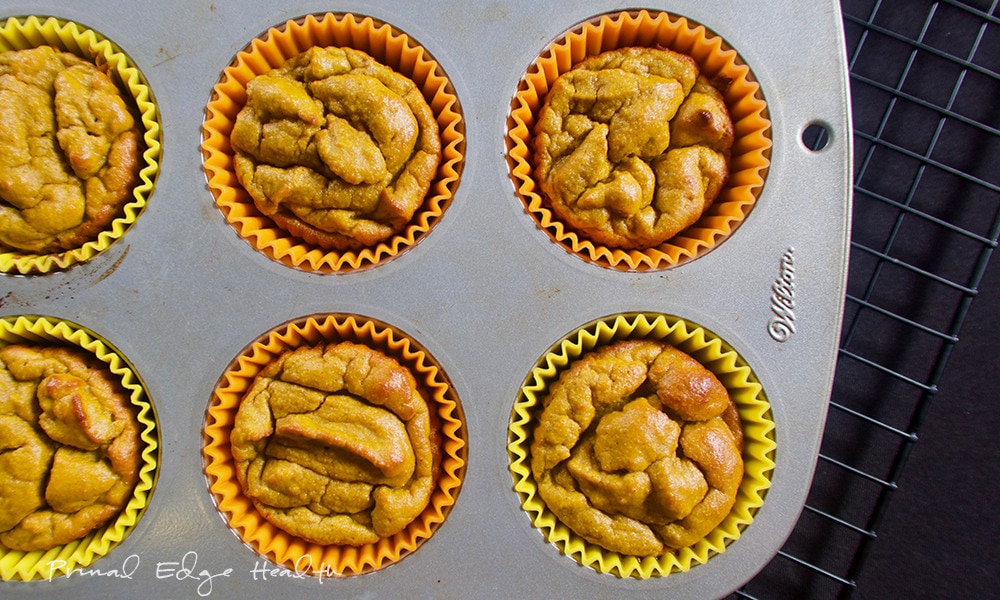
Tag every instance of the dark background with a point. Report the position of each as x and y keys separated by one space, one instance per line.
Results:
x=940 y=535
x=903 y=501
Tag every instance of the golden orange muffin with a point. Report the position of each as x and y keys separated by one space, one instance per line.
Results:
x=638 y=449
x=69 y=446
x=69 y=150
x=336 y=445
x=335 y=147
x=631 y=146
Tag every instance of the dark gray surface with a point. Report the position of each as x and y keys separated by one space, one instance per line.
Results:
x=939 y=537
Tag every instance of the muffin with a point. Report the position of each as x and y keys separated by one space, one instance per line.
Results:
x=638 y=141
x=335 y=445
x=80 y=144
x=641 y=445
x=355 y=164
x=638 y=448
x=72 y=444
x=337 y=148
x=68 y=150
x=632 y=146
x=78 y=448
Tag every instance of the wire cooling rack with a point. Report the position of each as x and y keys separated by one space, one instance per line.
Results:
x=925 y=83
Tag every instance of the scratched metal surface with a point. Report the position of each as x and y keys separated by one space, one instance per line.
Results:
x=486 y=292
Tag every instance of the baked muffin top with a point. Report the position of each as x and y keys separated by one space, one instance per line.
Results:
x=631 y=146
x=69 y=446
x=335 y=444
x=638 y=448
x=336 y=148
x=69 y=150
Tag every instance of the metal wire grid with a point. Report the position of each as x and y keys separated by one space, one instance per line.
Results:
x=926 y=108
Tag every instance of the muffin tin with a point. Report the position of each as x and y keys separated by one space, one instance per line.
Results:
x=486 y=292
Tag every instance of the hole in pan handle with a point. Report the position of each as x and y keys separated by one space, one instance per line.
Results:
x=816 y=136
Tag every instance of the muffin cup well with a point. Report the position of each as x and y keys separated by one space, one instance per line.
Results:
x=710 y=351
x=288 y=550
x=62 y=560
x=716 y=60
x=389 y=47
x=30 y=32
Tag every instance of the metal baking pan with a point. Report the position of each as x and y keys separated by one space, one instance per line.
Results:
x=486 y=293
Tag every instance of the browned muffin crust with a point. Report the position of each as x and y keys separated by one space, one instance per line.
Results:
x=638 y=449
x=69 y=446
x=69 y=150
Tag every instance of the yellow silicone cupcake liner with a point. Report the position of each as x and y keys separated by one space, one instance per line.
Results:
x=386 y=45
x=19 y=33
x=290 y=551
x=63 y=560
x=748 y=111
x=713 y=353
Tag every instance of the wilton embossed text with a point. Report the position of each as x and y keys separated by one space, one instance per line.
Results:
x=782 y=324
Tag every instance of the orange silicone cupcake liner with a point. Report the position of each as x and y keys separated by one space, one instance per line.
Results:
x=386 y=45
x=720 y=359
x=31 y=32
x=748 y=111
x=290 y=551
x=63 y=560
